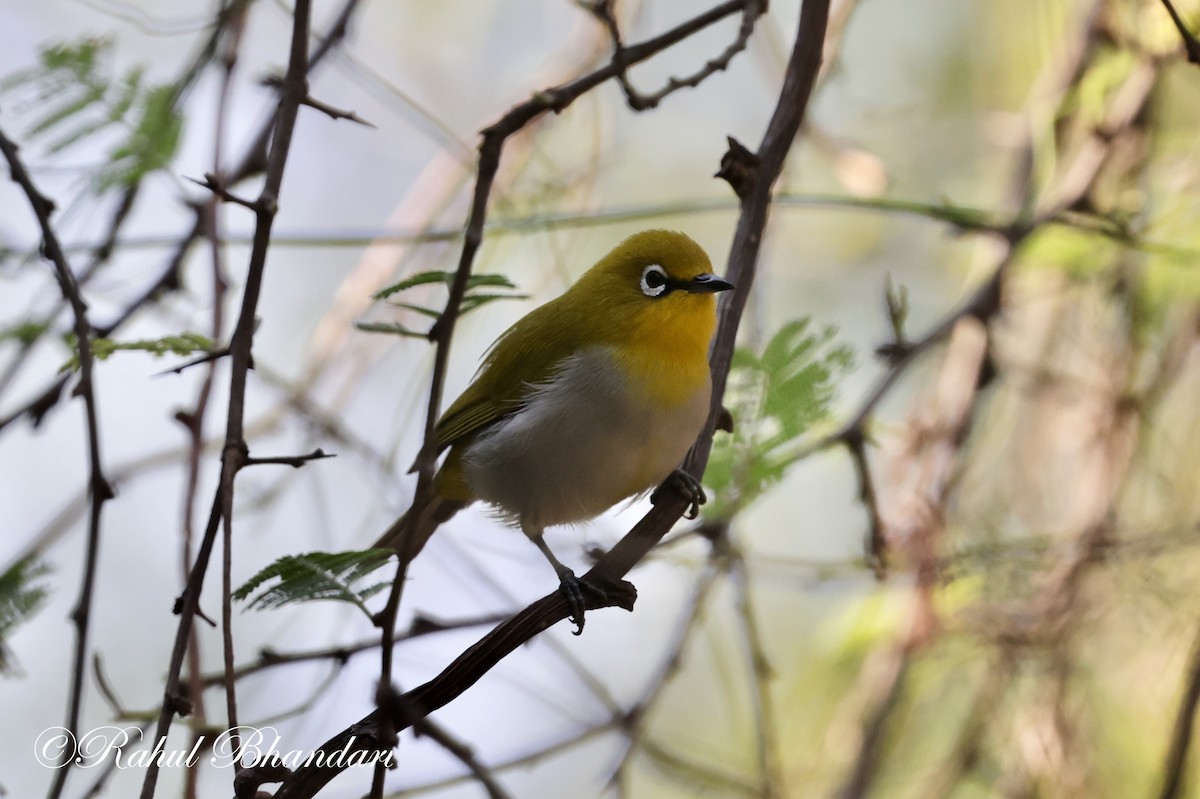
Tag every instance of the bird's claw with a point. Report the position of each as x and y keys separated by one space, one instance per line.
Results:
x=572 y=589
x=683 y=483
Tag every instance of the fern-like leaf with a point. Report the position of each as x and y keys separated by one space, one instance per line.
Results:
x=74 y=93
x=19 y=600
x=776 y=397
x=473 y=298
x=314 y=576
x=185 y=343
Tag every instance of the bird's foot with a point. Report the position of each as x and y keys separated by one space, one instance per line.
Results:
x=689 y=487
x=573 y=589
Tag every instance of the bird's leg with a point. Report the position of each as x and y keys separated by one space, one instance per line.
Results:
x=571 y=586
x=682 y=483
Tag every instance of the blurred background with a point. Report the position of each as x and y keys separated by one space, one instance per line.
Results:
x=1005 y=606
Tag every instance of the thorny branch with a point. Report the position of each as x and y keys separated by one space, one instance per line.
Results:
x=293 y=91
x=638 y=101
x=99 y=489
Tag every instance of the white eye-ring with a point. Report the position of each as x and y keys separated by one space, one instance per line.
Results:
x=654 y=280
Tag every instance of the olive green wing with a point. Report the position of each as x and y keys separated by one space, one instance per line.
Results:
x=526 y=354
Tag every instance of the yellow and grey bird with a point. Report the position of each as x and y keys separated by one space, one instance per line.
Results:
x=590 y=399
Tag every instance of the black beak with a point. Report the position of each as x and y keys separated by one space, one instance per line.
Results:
x=707 y=284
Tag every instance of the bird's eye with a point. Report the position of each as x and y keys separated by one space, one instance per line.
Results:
x=654 y=280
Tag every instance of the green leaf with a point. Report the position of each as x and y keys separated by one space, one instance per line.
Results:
x=470 y=301
x=390 y=328
x=488 y=281
x=151 y=145
x=315 y=576
x=419 y=279
x=19 y=601
x=473 y=301
x=24 y=332
x=776 y=397
x=421 y=309
x=185 y=343
x=76 y=94
x=425 y=278
x=68 y=110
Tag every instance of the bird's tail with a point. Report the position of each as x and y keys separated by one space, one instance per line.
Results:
x=451 y=496
x=408 y=541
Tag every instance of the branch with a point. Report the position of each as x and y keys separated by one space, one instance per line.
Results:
x=1181 y=737
x=420 y=627
x=751 y=11
x=295 y=461
x=294 y=90
x=98 y=486
x=1190 y=44
x=462 y=752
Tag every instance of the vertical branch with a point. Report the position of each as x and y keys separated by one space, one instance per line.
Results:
x=99 y=489
x=293 y=90
x=233 y=13
x=229 y=58
x=1181 y=736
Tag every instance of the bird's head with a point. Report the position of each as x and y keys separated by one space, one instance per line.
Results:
x=656 y=286
x=653 y=266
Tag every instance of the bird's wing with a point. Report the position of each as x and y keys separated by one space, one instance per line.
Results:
x=526 y=354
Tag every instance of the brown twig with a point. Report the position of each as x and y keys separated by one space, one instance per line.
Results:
x=1174 y=771
x=1190 y=44
x=217 y=187
x=421 y=627
x=207 y=357
x=635 y=726
x=98 y=486
x=295 y=461
x=275 y=81
x=462 y=752
x=294 y=89
x=234 y=16
x=639 y=101
x=336 y=113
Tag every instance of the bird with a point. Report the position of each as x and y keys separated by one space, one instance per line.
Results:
x=588 y=400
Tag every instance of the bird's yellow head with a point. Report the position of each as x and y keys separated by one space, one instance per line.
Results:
x=655 y=290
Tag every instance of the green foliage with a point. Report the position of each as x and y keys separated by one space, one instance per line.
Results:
x=78 y=95
x=316 y=575
x=775 y=398
x=19 y=600
x=24 y=333
x=473 y=298
x=183 y=344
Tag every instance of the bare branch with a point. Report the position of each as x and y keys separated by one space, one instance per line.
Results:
x=1174 y=769
x=295 y=461
x=99 y=489
x=751 y=11
x=294 y=90
x=1190 y=44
